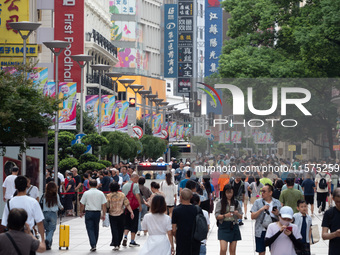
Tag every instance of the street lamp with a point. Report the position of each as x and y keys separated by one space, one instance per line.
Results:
x=144 y=93
x=30 y=27
x=54 y=46
x=164 y=107
x=151 y=97
x=24 y=26
x=128 y=82
x=100 y=68
x=85 y=59
x=114 y=75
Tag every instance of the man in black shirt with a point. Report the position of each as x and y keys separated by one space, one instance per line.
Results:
x=183 y=218
x=331 y=222
x=105 y=182
x=77 y=184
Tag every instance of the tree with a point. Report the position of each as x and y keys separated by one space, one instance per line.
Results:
x=148 y=129
x=120 y=144
x=174 y=152
x=24 y=111
x=153 y=147
x=67 y=164
x=64 y=143
x=78 y=149
x=95 y=140
x=306 y=45
x=200 y=143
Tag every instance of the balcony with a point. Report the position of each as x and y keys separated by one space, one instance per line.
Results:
x=106 y=82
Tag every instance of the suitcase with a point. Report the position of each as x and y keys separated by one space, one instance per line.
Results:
x=64 y=236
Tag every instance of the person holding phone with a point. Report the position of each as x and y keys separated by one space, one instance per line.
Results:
x=228 y=211
x=283 y=237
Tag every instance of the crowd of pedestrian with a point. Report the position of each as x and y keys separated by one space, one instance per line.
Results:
x=279 y=201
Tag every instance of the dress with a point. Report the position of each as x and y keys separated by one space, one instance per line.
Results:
x=157 y=226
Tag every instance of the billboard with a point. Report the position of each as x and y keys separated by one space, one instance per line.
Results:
x=157 y=124
x=69 y=26
x=170 y=41
x=108 y=112
x=121 y=117
x=67 y=115
x=213 y=36
x=236 y=136
x=172 y=131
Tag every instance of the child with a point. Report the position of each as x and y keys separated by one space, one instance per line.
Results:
x=283 y=237
x=304 y=223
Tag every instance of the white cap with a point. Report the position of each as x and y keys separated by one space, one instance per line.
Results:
x=187 y=163
x=286 y=212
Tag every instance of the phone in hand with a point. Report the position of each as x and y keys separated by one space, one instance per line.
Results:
x=274 y=208
x=290 y=228
x=232 y=208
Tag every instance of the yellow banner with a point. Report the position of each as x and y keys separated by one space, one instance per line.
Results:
x=12 y=11
x=17 y=50
x=291 y=147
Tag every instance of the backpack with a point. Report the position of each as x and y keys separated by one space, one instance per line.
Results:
x=200 y=229
x=323 y=182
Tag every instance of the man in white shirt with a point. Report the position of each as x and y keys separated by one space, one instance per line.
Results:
x=30 y=205
x=8 y=187
x=94 y=202
x=323 y=186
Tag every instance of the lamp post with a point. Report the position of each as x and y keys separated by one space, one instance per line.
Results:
x=151 y=97
x=85 y=59
x=163 y=107
x=136 y=88
x=114 y=75
x=128 y=82
x=30 y=27
x=157 y=101
x=144 y=94
x=54 y=46
x=100 y=68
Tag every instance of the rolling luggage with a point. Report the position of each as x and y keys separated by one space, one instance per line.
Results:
x=64 y=236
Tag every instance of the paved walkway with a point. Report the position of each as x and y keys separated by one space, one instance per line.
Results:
x=79 y=243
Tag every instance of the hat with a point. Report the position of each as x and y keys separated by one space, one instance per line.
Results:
x=173 y=158
x=160 y=158
x=286 y=212
x=187 y=163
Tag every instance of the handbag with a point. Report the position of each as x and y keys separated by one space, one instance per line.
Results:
x=106 y=222
x=41 y=202
x=315 y=234
x=132 y=199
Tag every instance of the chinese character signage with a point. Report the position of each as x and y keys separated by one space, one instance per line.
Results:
x=123 y=7
x=213 y=36
x=170 y=41
x=69 y=26
x=185 y=45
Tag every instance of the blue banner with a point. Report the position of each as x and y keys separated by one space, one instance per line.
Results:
x=170 y=41
x=213 y=36
x=213 y=103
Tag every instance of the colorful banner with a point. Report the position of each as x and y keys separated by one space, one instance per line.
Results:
x=92 y=108
x=186 y=131
x=180 y=129
x=49 y=89
x=121 y=116
x=39 y=77
x=147 y=118
x=170 y=41
x=172 y=131
x=227 y=137
x=156 y=124
x=236 y=136
x=224 y=136
x=67 y=116
x=213 y=103
x=213 y=36
x=69 y=26
x=108 y=112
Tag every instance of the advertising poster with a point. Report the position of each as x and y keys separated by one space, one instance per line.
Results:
x=227 y=137
x=121 y=116
x=172 y=131
x=91 y=107
x=156 y=124
x=49 y=89
x=39 y=77
x=180 y=129
x=236 y=136
x=108 y=112
x=186 y=131
x=67 y=116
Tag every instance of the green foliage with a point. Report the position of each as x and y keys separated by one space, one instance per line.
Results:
x=91 y=166
x=174 y=152
x=64 y=142
x=94 y=140
x=50 y=160
x=148 y=129
x=200 y=143
x=220 y=148
x=23 y=108
x=68 y=163
x=87 y=157
x=78 y=149
x=304 y=44
x=153 y=147
x=120 y=144
x=105 y=162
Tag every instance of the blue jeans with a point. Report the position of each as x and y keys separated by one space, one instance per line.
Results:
x=141 y=215
x=203 y=249
x=240 y=203
x=50 y=223
x=92 y=219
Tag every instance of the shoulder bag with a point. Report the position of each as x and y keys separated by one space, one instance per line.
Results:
x=132 y=198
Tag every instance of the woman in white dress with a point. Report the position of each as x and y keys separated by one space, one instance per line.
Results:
x=159 y=227
x=169 y=190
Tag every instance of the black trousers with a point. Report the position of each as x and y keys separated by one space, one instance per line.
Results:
x=117 y=229
x=321 y=199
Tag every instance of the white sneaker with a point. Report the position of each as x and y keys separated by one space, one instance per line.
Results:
x=320 y=209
